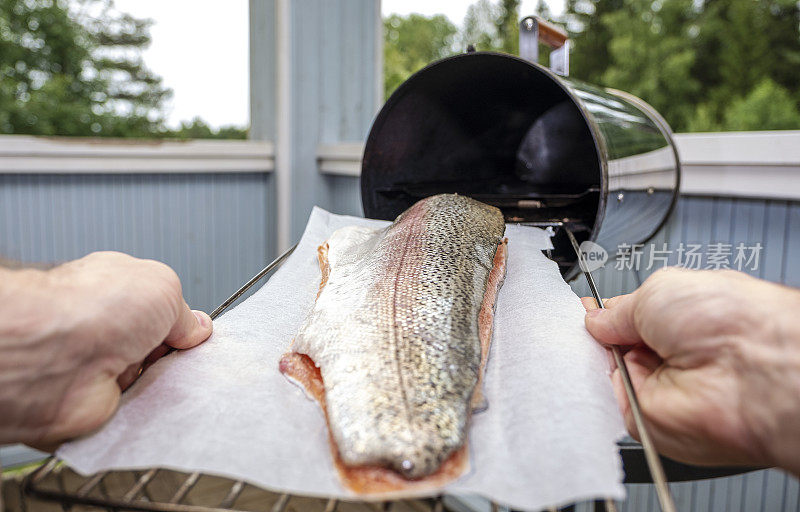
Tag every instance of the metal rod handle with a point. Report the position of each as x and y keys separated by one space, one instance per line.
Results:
x=650 y=453
x=238 y=293
x=532 y=31
x=547 y=33
x=280 y=504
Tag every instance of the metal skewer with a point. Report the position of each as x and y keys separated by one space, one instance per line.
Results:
x=650 y=453
x=238 y=293
x=256 y=278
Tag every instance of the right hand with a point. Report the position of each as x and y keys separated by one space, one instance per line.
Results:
x=714 y=357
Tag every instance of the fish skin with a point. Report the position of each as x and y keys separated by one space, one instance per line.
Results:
x=395 y=332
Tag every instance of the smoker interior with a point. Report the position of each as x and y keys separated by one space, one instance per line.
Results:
x=493 y=127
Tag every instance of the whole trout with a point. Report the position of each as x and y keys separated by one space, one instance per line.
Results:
x=400 y=332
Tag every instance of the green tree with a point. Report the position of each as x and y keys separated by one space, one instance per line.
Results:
x=490 y=26
x=412 y=42
x=76 y=69
x=508 y=25
x=480 y=26
x=741 y=43
x=692 y=59
x=769 y=106
x=590 y=37
x=198 y=129
x=651 y=56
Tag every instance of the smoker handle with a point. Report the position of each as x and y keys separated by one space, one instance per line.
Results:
x=532 y=31
x=549 y=34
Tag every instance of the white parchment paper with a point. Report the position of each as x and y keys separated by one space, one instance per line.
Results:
x=547 y=437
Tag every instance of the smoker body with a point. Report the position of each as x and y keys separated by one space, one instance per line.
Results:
x=543 y=148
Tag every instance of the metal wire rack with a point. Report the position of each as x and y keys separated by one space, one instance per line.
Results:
x=175 y=491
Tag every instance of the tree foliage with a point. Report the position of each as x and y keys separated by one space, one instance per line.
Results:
x=648 y=56
x=75 y=68
x=412 y=42
x=490 y=26
x=703 y=64
x=480 y=27
x=768 y=106
x=198 y=129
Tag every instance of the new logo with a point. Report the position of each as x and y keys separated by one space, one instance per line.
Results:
x=594 y=256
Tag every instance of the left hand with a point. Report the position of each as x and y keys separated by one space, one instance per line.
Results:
x=71 y=338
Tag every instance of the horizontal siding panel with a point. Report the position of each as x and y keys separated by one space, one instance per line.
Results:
x=213 y=229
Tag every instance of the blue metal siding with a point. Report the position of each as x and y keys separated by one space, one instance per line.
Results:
x=215 y=230
x=332 y=92
x=345 y=195
x=703 y=220
x=333 y=97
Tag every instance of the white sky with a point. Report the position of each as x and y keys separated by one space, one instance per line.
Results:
x=200 y=49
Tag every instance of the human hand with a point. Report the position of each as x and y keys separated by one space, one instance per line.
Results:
x=714 y=357
x=71 y=338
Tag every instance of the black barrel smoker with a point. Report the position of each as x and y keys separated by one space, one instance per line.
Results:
x=544 y=148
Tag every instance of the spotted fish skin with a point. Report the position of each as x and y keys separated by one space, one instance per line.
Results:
x=395 y=332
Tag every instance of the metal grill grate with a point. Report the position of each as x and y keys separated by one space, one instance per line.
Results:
x=175 y=491
x=93 y=491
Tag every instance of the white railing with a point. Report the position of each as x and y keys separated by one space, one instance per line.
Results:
x=730 y=164
x=21 y=154
x=733 y=164
x=343 y=159
x=741 y=164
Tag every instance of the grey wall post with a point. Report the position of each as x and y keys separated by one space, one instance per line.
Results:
x=263 y=95
x=319 y=61
x=262 y=69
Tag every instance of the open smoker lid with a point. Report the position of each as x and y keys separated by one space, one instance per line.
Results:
x=490 y=126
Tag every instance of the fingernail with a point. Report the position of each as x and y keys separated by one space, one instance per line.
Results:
x=202 y=318
x=594 y=312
